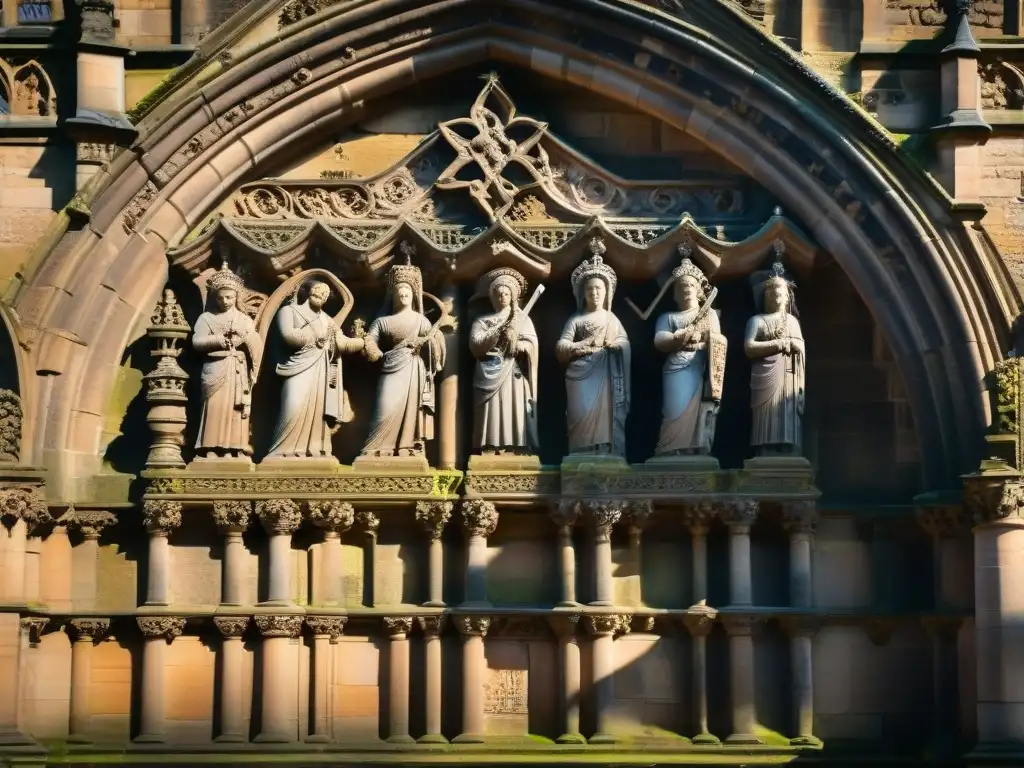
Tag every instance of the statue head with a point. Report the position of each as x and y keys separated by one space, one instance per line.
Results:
x=224 y=288
x=773 y=290
x=319 y=293
x=402 y=294
x=504 y=286
x=776 y=296
x=588 y=294
x=411 y=295
x=594 y=292
x=226 y=298
x=691 y=286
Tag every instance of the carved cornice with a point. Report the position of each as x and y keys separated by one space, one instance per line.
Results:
x=479 y=517
x=167 y=627
x=233 y=515
x=161 y=517
x=91 y=630
x=280 y=517
x=431 y=626
x=398 y=627
x=473 y=626
x=346 y=487
x=335 y=516
x=433 y=516
x=231 y=626
x=800 y=516
x=280 y=626
x=332 y=627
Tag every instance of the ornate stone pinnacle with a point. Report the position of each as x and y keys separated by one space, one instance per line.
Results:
x=740 y=513
x=88 y=629
x=332 y=627
x=23 y=503
x=473 y=625
x=233 y=515
x=698 y=517
x=92 y=522
x=332 y=515
x=33 y=626
x=369 y=522
x=602 y=625
x=279 y=516
x=479 y=517
x=280 y=626
x=566 y=512
x=167 y=627
x=231 y=626
x=434 y=516
x=431 y=626
x=605 y=512
x=398 y=626
x=161 y=516
x=800 y=516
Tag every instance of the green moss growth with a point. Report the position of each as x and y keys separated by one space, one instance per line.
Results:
x=770 y=737
x=150 y=100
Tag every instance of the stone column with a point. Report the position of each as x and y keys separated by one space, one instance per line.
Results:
x=741 y=678
x=474 y=675
x=326 y=631
x=448 y=394
x=232 y=690
x=398 y=629
x=480 y=519
x=232 y=518
x=943 y=631
x=434 y=516
x=281 y=518
x=432 y=626
x=12 y=674
x=740 y=515
x=91 y=525
x=564 y=627
x=697 y=518
x=32 y=628
x=159 y=632
x=699 y=621
x=280 y=694
x=161 y=517
x=604 y=514
x=85 y=633
x=799 y=517
x=21 y=509
x=801 y=632
x=640 y=513
x=565 y=515
x=370 y=524
x=603 y=629
x=334 y=518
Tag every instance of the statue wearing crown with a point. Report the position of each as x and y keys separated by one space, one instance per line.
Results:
x=775 y=345
x=504 y=343
x=694 y=370
x=595 y=350
x=226 y=337
x=411 y=352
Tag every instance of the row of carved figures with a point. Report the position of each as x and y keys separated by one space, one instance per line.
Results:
x=593 y=347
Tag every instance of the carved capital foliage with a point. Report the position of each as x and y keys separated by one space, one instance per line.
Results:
x=479 y=517
x=88 y=629
x=434 y=516
x=10 y=426
x=566 y=512
x=161 y=516
x=800 y=516
x=92 y=522
x=741 y=513
x=167 y=627
x=640 y=513
x=431 y=626
x=336 y=516
x=605 y=512
x=330 y=626
x=994 y=500
x=33 y=626
x=368 y=521
x=279 y=516
x=603 y=625
x=232 y=515
x=231 y=626
x=698 y=516
x=23 y=503
x=945 y=522
x=699 y=622
x=280 y=626
x=473 y=625
x=398 y=627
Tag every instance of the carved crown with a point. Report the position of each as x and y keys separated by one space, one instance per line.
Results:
x=506 y=276
x=594 y=267
x=687 y=269
x=225 y=278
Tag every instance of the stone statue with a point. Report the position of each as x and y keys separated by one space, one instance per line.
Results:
x=595 y=350
x=232 y=349
x=505 y=379
x=775 y=345
x=403 y=419
x=313 y=401
x=695 y=368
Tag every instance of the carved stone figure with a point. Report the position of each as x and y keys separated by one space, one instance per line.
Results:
x=403 y=419
x=505 y=379
x=227 y=338
x=775 y=345
x=695 y=367
x=595 y=350
x=313 y=401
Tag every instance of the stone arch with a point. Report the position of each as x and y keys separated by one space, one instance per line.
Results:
x=15 y=429
x=930 y=280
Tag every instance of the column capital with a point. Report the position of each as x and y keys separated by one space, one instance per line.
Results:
x=280 y=626
x=700 y=620
x=473 y=626
x=398 y=627
x=33 y=626
x=801 y=626
x=332 y=515
x=565 y=512
x=739 y=513
x=232 y=515
x=431 y=626
x=369 y=522
x=332 y=627
x=740 y=624
x=944 y=628
x=90 y=522
x=800 y=517
x=279 y=516
x=231 y=626
x=167 y=627
x=640 y=513
x=564 y=624
x=88 y=630
x=479 y=517
x=161 y=516
x=607 y=624
x=698 y=517
x=433 y=516
x=944 y=522
x=606 y=512
x=23 y=503
x=995 y=500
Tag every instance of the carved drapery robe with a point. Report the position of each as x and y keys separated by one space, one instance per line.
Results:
x=504 y=385
x=777 y=385
x=313 y=400
x=403 y=419
x=597 y=384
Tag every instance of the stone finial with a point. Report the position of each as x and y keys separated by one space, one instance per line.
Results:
x=698 y=517
x=332 y=627
x=23 y=503
x=476 y=626
x=10 y=427
x=431 y=626
x=232 y=515
x=566 y=512
x=800 y=516
x=602 y=625
x=92 y=522
x=479 y=517
x=280 y=626
x=33 y=626
x=88 y=630
x=167 y=627
x=279 y=516
x=434 y=516
x=165 y=384
x=398 y=627
x=369 y=522
x=739 y=513
x=605 y=512
x=334 y=516
x=231 y=626
x=161 y=517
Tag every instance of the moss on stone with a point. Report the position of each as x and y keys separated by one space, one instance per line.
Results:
x=151 y=99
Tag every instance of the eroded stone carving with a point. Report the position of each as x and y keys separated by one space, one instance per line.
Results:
x=800 y=516
x=10 y=426
x=431 y=626
x=279 y=626
x=336 y=516
x=473 y=625
x=479 y=517
x=434 y=516
x=91 y=523
x=23 y=503
x=602 y=625
x=505 y=692
x=739 y=512
x=232 y=515
x=985 y=14
x=1002 y=86
x=398 y=627
x=368 y=521
x=32 y=627
x=331 y=626
x=279 y=516
x=596 y=352
x=89 y=629
x=161 y=516
x=167 y=627
x=231 y=626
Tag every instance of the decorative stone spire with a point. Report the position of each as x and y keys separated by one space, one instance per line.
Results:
x=165 y=384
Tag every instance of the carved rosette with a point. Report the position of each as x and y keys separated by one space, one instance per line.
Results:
x=800 y=517
x=698 y=517
x=369 y=522
x=398 y=627
x=161 y=517
x=232 y=516
x=165 y=384
x=332 y=627
x=333 y=516
x=602 y=625
x=231 y=626
x=565 y=513
x=479 y=517
x=431 y=626
x=280 y=626
x=91 y=523
x=739 y=514
x=473 y=626
x=33 y=627
x=88 y=630
x=23 y=503
x=948 y=522
x=434 y=516
x=167 y=627
x=280 y=517
x=10 y=427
